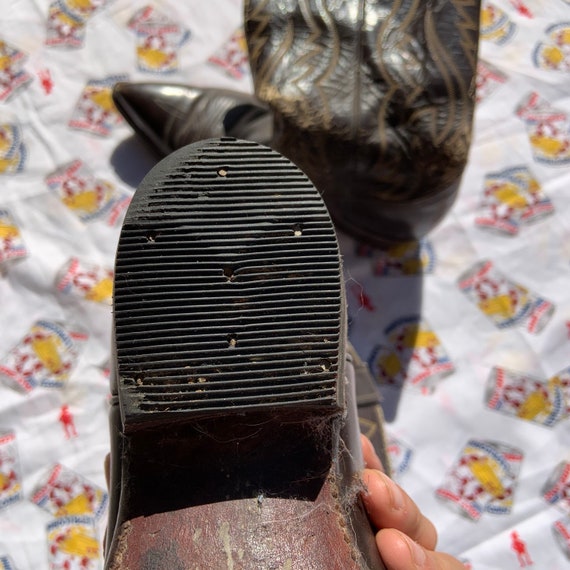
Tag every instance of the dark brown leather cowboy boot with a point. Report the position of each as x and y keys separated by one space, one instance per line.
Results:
x=235 y=432
x=374 y=100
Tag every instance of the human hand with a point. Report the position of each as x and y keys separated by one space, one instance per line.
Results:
x=406 y=539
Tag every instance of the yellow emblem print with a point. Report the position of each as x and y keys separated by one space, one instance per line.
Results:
x=485 y=470
x=153 y=56
x=102 y=98
x=86 y=201
x=12 y=150
x=390 y=364
x=548 y=145
x=6 y=482
x=102 y=292
x=510 y=195
x=536 y=403
x=79 y=505
x=85 y=8
x=8 y=231
x=414 y=354
x=503 y=306
x=495 y=24
x=86 y=280
x=47 y=350
x=78 y=542
x=407 y=252
x=554 y=53
x=5 y=59
x=11 y=243
x=525 y=397
x=88 y=197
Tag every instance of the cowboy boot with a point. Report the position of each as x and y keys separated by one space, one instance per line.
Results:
x=373 y=100
x=236 y=441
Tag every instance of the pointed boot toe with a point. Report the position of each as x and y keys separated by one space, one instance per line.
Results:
x=235 y=423
x=170 y=116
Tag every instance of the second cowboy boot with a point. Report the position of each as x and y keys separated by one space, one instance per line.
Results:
x=234 y=425
x=374 y=100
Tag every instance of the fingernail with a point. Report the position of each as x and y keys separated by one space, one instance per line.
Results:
x=370 y=450
x=418 y=553
x=395 y=492
x=379 y=461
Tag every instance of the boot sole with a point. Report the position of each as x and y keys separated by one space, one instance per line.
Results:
x=229 y=335
x=228 y=289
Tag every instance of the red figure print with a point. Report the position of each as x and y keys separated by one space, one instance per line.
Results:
x=364 y=300
x=46 y=80
x=66 y=419
x=521 y=8
x=519 y=546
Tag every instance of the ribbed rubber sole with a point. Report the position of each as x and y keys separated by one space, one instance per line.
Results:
x=228 y=294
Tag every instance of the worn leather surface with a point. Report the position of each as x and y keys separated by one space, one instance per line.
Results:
x=373 y=100
x=328 y=532
x=248 y=534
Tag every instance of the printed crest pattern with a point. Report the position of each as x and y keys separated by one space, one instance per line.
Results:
x=88 y=197
x=12 y=245
x=12 y=148
x=6 y=563
x=86 y=280
x=46 y=356
x=554 y=53
x=400 y=455
x=73 y=544
x=232 y=56
x=478 y=341
x=548 y=130
x=64 y=492
x=525 y=397
x=10 y=473
x=95 y=111
x=511 y=198
x=414 y=356
x=556 y=490
x=67 y=20
x=561 y=531
x=403 y=259
x=562 y=380
x=489 y=79
x=496 y=26
x=158 y=38
x=483 y=479
x=13 y=76
x=504 y=302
